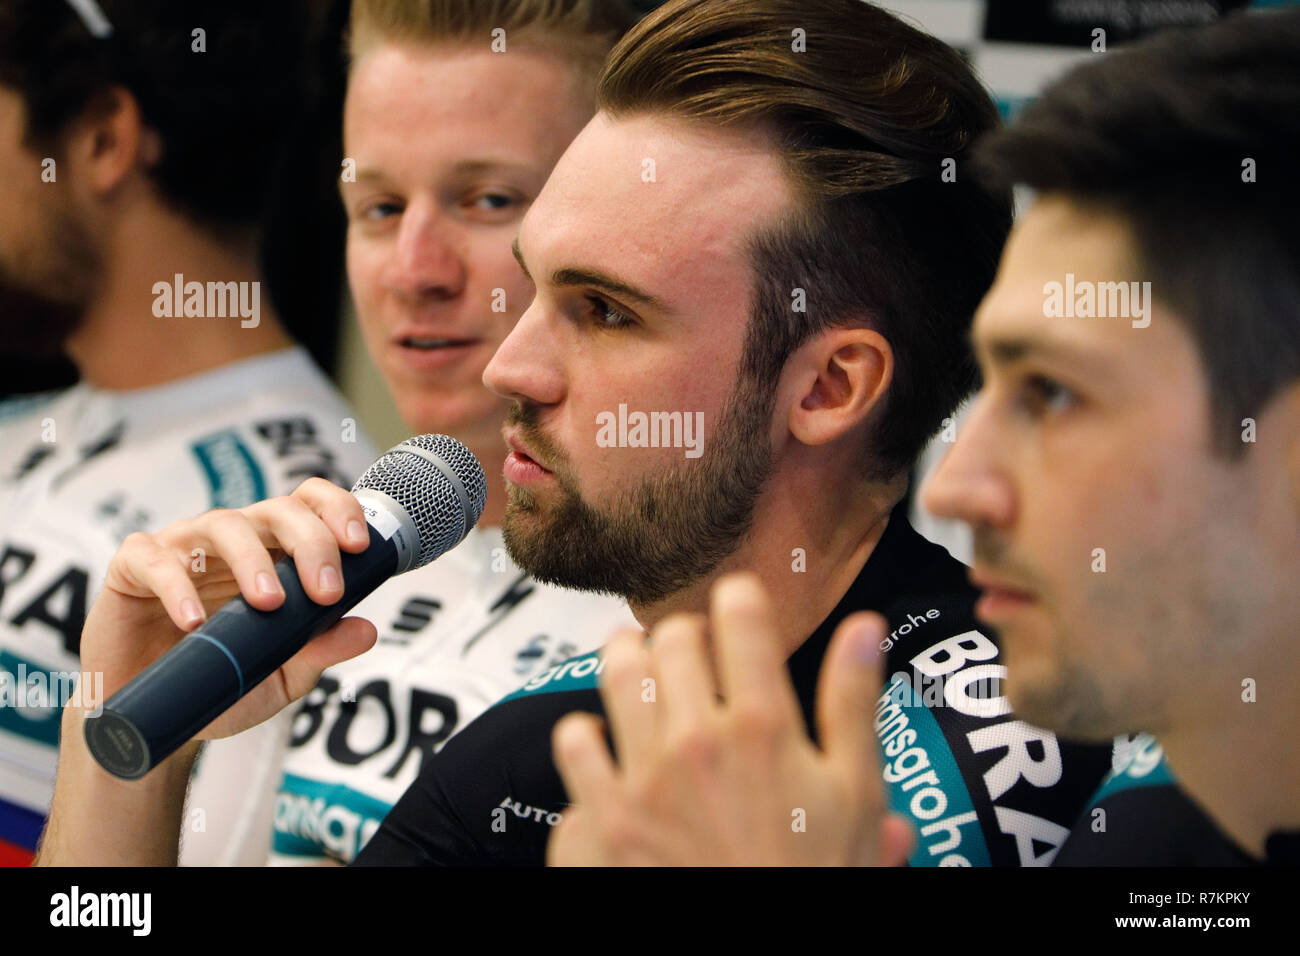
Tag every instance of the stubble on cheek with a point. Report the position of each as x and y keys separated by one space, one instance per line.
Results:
x=1114 y=647
x=1073 y=704
x=1049 y=687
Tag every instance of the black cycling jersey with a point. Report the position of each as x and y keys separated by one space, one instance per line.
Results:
x=1149 y=826
x=1282 y=848
x=1142 y=817
x=980 y=787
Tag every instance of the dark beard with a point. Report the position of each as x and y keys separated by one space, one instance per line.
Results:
x=32 y=324
x=661 y=535
x=39 y=312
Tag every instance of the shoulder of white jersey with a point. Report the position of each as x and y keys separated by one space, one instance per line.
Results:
x=291 y=424
x=20 y=407
x=239 y=434
x=25 y=428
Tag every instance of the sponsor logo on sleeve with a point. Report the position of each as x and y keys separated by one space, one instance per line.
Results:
x=233 y=475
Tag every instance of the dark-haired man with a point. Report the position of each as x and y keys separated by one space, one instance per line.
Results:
x=138 y=139
x=1133 y=481
x=1131 y=471
x=783 y=261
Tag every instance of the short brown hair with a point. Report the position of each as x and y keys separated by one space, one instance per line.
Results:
x=1157 y=133
x=863 y=118
x=583 y=30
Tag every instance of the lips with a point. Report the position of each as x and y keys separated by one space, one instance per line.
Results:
x=521 y=468
x=431 y=343
x=986 y=582
x=1000 y=600
x=520 y=449
x=425 y=352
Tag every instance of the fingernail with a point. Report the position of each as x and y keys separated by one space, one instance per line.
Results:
x=866 y=640
x=357 y=532
x=267 y=584
x=191 y=612
x=329 y=578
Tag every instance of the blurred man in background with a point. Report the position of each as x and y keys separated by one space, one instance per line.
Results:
x=138 y=142
x=450 y=130
x=1132 y=476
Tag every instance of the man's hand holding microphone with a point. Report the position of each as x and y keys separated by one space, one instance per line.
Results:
x=184 y=660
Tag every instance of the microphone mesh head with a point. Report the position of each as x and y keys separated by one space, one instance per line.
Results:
x=430 y=498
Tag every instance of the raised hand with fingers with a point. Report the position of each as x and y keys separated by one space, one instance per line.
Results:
x=719 y=770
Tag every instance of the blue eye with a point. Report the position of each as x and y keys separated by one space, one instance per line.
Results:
x=494 y=201
x=608 y=317
x=381 y=210
x=1042 y=395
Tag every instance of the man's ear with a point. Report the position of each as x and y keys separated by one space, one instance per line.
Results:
x=840 y=375
x=107 y=143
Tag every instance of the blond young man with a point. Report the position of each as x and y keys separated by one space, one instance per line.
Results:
x=450 y=129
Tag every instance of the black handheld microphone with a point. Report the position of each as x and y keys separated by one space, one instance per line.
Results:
x=421 y=499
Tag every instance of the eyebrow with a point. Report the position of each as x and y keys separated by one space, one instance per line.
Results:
x=1010 y=349
x=362 y=177
x=367 y=173
x=475 y=166
x=597 y=280
x=1004 y=351
x=464 y=168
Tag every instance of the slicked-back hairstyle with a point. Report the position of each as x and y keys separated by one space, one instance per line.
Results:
x=1160 y=134
x=865 y=117
x=581 y=30
x=221 y=113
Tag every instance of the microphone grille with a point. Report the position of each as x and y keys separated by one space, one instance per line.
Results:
x=443 y=508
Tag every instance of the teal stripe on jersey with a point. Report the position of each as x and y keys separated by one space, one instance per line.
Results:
x=1146 y=766
x=916 y=753
x=315 y=819
x=31 y=698
x=233 y=475
x=21 y=405
x=577 y=673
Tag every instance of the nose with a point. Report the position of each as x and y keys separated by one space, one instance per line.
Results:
x=529 y=366
x=970 y=484
x=426 y=262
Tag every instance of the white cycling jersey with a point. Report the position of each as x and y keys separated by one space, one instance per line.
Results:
x=82 y=468
x=455 y=636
